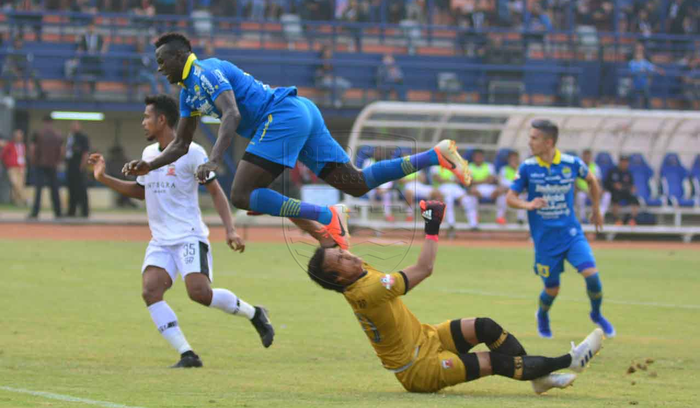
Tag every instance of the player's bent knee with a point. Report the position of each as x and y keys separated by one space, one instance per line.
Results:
x=240 y=199
x=588 y=272
x=152 y=295
x=552 y=291
x=201 y=294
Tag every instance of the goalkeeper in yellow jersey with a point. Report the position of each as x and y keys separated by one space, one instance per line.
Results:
x=425 y=357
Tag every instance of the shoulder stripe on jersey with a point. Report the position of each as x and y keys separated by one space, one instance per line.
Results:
x=568 y=158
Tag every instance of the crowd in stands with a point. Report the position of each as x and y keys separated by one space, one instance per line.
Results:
x=478 y=25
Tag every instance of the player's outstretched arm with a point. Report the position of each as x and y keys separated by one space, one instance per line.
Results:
x=224 y=209
x=595 y=193
x=178 y=147
x=230 y=118
x=127 y=188
x=432 y=212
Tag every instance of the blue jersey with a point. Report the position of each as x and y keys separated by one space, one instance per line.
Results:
x=554 y=226
x=204 y=80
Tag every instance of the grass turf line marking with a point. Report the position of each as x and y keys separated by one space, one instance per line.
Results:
x=606 y=300
x=66 y=398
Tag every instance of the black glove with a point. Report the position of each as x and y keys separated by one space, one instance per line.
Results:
x=432 y=212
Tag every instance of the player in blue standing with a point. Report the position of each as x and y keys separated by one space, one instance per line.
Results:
x=549 y=179
x=283 y=128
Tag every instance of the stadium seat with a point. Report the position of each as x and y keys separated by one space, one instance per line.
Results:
x=501 y=158
x=695 y=177
x=643 y=175
x=673 y=177
x=605 y=163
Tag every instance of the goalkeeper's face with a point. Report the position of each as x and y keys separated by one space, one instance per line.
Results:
x=347 y=265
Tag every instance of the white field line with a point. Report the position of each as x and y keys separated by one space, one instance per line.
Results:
x=565 y=299
x=66 y=398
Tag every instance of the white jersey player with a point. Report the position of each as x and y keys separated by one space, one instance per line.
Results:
x=180 y=244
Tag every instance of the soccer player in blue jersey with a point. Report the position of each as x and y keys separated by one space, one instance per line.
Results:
x=549 y=179
x=283 y=127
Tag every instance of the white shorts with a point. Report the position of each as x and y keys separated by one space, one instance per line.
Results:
x=486 y=190
x=420 y=190
x=189 y=256
x=452 y=191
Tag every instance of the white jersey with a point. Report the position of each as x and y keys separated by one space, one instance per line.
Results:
x=172 y=201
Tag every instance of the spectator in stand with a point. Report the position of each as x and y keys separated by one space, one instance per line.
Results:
x=146 y=70
x=603 y=16
x=691 y=83
x=325 y=79
x=390 y=78
x=537 y=26
x=13 y=156
x=415 y=10
x=641 y=69
x=91 y=46
x=77 y=150
x=620 y=183
x=18 y=66
x=643 y=25
x=395 y=11
x=46 y=152
x=355 y=14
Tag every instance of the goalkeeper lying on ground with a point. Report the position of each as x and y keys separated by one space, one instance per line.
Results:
x=425 y=357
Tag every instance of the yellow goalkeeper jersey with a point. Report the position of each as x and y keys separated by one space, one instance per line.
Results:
x=391 y=328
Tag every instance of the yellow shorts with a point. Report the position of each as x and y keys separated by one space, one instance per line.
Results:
x=437 y=365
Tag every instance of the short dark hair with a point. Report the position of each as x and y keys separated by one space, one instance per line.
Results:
x=513 y=153
x=477 y=151
x=178 y=40
x=547 y=127
x=164 y=105
x=325 y=278
x=587 y=151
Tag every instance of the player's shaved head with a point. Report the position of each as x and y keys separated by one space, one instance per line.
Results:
x=175 y=42
x=327 y=279
x=164 y=105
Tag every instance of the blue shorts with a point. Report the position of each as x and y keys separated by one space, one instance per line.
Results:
x=549 y=266
x=294 y=130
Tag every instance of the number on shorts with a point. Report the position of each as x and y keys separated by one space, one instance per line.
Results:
x=189 y=250
x=543 y=270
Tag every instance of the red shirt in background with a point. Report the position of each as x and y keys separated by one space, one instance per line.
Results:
x=13 y=155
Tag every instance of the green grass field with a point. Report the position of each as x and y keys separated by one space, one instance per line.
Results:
x=72 y=323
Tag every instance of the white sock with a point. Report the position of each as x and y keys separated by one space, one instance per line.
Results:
x=224 y=299
x=386 y=200
x=471 y=205
x=166 y=323
x=450 y=210
x=501 y=206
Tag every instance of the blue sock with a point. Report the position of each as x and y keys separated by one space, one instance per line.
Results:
x=394 y=169
x=595 y=292
x=545 y=302
x=271 y=202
